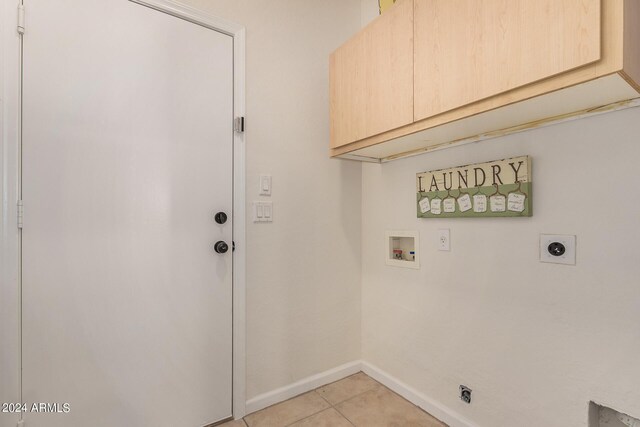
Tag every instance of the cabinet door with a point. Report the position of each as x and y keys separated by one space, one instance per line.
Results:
x=371 y=78
x=468 y=50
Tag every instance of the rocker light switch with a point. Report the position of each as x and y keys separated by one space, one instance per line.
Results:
x=265 y=185
x=262 y=211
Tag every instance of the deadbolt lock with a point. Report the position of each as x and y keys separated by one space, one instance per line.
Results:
x=220 y=247
x=220 y=217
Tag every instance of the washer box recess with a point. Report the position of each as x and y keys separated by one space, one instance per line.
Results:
x=403 y=249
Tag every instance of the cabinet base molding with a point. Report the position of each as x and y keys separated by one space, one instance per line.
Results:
x=610 y=93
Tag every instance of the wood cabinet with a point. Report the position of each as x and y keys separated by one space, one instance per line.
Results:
x=371 y=78
x=484 y=68
x=469 y=50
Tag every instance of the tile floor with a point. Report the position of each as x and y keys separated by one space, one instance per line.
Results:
x=356 y=401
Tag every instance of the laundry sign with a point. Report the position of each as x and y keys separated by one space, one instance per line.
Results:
x=492 y=189
x=385 y=4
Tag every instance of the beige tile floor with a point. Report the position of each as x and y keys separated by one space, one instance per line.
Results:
x=357 y=401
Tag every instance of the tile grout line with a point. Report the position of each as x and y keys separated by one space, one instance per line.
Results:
x=414 y=405
x=356 y=395
x=380 y=385
x=315 y=413
x=309 y=416
x=334 y=406
x=343 y=415
x=287 y=400
x=316 y=391
x=352 y=397
x=321 y=396
x=331 y=405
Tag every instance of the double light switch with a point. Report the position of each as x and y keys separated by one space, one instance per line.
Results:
x=262 y=211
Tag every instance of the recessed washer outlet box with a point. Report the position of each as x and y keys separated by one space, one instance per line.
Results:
x=403 y=249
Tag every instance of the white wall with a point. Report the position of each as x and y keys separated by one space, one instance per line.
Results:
x=534 y=341
x=303 y=270
x=369 y=10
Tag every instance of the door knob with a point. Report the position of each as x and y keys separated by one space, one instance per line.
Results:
x=220 y=217
x=220 y=247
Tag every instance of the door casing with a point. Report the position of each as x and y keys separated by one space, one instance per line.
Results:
x=10 y=181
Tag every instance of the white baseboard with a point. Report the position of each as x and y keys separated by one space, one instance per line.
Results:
x=437 y=409
x=304 y=385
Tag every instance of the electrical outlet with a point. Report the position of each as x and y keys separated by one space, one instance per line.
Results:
x=444 y=240
x=558 y=249
x=465 y=394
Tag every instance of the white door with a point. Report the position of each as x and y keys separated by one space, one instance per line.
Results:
x=127 y=157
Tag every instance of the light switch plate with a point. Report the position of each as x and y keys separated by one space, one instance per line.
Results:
x=558 y=249
x=265 y=185
x=444 y=240
x=262 y=211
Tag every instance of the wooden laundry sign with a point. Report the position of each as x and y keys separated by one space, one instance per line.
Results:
x=385 y=4
x=492 y=189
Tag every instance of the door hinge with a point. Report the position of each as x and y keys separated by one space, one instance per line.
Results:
x=20 y=213
x=21 y=18
x=239 y=124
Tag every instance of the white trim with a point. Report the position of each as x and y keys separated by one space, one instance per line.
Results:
x=239 y=233
x=435 y=408
x=552 y=121
x=354 y=157
x=194 y=15
x=304 y=385
x=9 y=234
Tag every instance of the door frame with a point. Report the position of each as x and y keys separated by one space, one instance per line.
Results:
x=10 y=181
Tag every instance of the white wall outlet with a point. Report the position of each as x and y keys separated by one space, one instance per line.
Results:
x=444 y=240
x=262 y=211
x=558 y=249
x=265 y=185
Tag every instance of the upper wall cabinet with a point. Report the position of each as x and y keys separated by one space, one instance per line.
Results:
x=371 y=77
x=468 y=50
x=431 y=73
